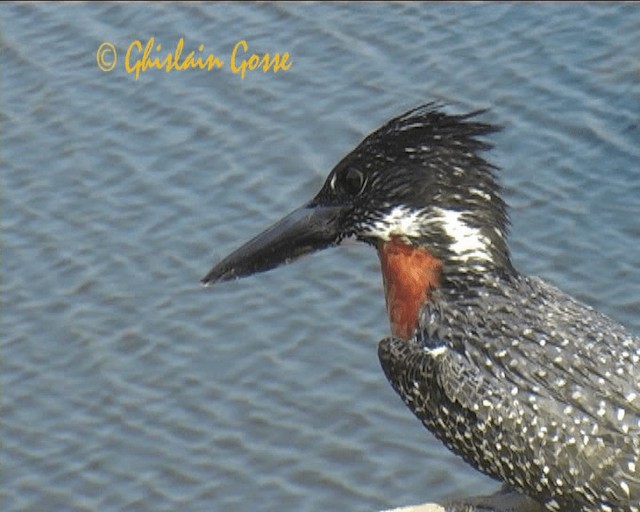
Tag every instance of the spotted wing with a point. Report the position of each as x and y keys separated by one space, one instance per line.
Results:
x=538 y=391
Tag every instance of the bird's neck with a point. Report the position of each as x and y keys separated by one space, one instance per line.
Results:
x=413 y=275
x=410 y=273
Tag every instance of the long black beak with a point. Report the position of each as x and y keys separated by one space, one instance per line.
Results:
x=305 y=230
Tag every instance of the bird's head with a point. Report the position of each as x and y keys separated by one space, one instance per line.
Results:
x=418 y=190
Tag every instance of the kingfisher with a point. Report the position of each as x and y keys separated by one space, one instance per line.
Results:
x=525 y=383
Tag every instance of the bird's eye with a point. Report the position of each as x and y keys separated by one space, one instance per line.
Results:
x=353 y=181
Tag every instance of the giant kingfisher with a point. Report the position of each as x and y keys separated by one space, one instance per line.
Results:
x=525 y=383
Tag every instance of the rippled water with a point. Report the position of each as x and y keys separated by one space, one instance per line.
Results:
x=125 y=386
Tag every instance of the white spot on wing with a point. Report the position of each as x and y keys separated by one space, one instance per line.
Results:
x=437 y=351
x=625 y=488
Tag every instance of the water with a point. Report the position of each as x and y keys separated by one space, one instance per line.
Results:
x=127 y=387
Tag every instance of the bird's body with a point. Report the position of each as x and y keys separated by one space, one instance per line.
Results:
x=525 y=383
x=528 y=386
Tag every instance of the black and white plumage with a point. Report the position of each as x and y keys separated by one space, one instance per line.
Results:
x=526 y=384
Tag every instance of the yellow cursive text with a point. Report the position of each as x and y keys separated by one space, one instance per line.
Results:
x=139 y=64
x=255 y=61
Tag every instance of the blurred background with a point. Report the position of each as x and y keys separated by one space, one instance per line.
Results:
x=124 y=385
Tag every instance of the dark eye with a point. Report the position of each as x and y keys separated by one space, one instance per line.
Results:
x=353 y=181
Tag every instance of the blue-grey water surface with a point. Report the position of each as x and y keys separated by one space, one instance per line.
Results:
x=125 y=386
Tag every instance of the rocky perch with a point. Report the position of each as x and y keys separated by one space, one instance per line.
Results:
x=501 y=501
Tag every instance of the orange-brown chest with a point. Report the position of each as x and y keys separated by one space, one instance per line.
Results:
x=409 y=274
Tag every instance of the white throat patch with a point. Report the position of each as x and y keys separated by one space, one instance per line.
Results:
x=468 y=242
x=400 y=221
